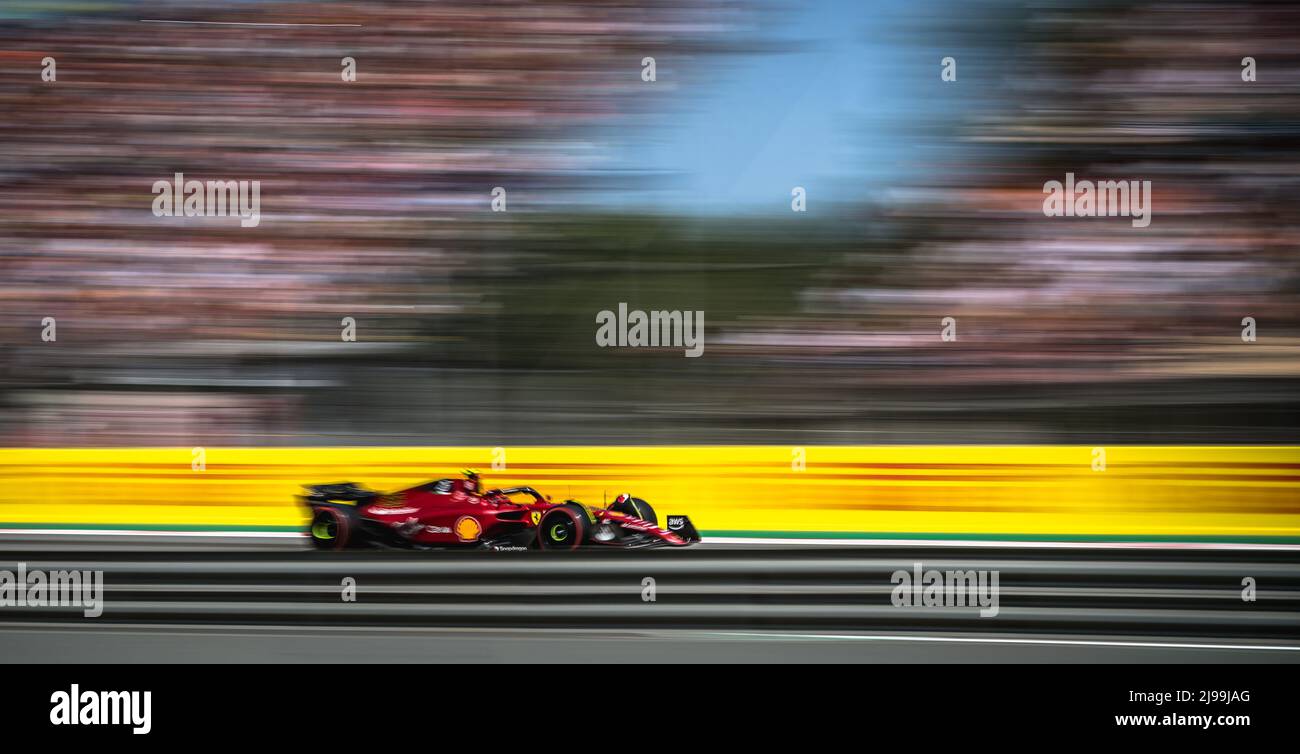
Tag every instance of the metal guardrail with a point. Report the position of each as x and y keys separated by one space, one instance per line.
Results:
x=1147 y=593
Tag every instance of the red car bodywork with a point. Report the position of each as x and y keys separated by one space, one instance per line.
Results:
x=458 y=516
x=457 y=512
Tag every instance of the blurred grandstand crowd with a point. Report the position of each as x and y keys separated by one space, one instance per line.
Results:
x=476 y=326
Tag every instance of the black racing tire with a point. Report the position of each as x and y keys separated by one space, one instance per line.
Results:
x=635 y=506
x=562 y=528
x=330 y=529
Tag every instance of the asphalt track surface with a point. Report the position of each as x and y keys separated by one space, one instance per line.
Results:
x=202 y=598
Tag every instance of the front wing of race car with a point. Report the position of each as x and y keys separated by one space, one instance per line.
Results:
x=574 y=525
x=683 y=528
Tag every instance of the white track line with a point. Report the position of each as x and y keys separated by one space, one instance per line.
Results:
x=236 y=23
x=987 y=640
x=781 y=541
x=154 y=533
x=1045 y=544
x=221 y=630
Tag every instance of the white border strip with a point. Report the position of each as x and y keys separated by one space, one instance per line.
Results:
x=237 y=23
x=777 y=541
x=1031 y=545
x=227 y=630
x=155 y=533
x=992 y=640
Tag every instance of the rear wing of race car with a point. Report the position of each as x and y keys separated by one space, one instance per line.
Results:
x=339 y=493
x=682 y=527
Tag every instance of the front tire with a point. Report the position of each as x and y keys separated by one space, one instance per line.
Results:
x=562 y=528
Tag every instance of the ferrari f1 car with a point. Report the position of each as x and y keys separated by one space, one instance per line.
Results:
x=451 y=513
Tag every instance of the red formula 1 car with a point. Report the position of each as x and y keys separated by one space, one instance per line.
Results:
x=451 y=513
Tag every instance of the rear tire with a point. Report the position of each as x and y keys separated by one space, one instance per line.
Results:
x=562 y=528
x=637 y=507
x=331 y=529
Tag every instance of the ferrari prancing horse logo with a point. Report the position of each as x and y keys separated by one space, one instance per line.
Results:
x=537 y=517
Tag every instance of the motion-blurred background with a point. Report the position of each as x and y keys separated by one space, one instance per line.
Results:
x=924 y=201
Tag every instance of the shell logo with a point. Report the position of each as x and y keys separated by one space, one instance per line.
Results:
x=468 y=529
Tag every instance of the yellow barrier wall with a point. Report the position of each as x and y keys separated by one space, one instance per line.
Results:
x=1222 y=493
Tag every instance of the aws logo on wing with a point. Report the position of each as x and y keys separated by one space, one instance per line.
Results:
x=468 y=529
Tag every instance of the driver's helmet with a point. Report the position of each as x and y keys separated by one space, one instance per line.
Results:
x=625 y=497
